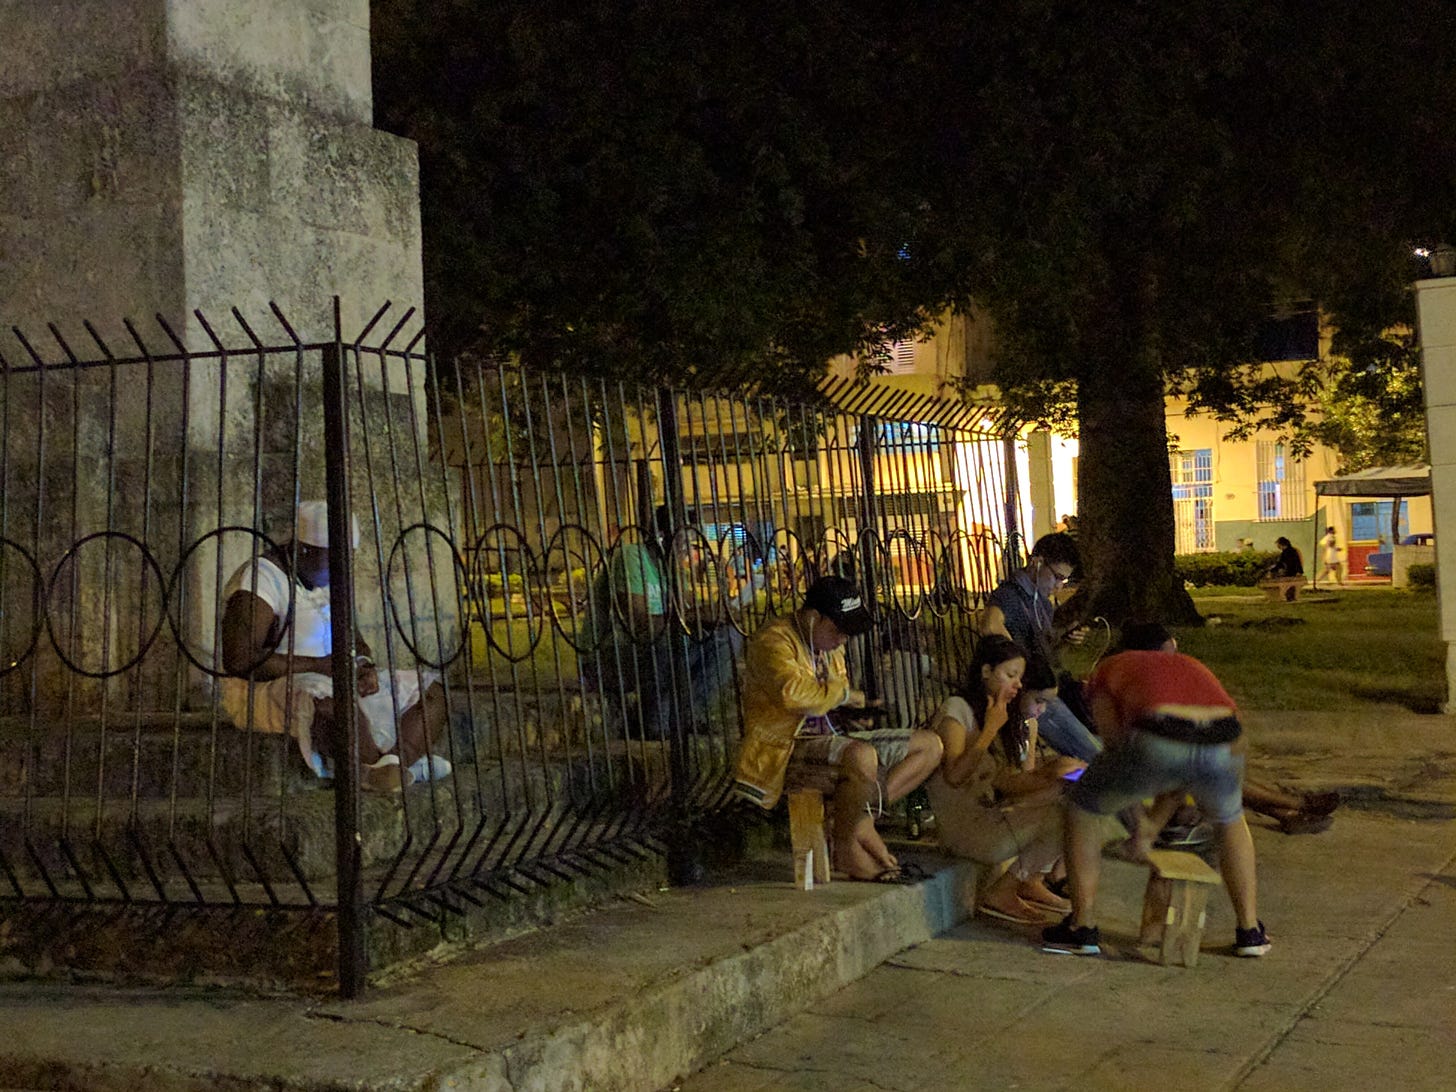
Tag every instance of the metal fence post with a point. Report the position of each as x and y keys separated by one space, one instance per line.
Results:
x=869 y=577
x=1016 y=545
x=683 y=858
x=347 y=843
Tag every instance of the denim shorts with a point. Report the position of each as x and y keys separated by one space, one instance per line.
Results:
x=1148 y=764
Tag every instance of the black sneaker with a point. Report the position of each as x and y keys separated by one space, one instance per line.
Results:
x=1064 y=938
x=1251 y=943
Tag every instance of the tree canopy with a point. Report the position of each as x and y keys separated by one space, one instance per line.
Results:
x=1126 y=190
x=647 y=188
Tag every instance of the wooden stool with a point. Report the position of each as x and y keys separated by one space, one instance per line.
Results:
x=806 y=835
x=1175 y=905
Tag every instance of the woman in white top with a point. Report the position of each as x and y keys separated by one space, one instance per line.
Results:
x=1331 y=550
x=992 y=800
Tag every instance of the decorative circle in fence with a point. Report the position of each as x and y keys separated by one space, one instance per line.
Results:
x=176 y=597
x=440 y=599
x=11 y=659
x=694 y=583
x=576 y=555
x=80 y=616
x=514 y=583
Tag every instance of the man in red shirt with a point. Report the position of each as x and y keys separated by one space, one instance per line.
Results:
x=1169 y=727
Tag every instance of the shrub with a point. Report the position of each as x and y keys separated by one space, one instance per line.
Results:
x=1236 y=568
x=1422 y=577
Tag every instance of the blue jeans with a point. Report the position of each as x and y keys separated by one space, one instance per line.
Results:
x=665 y=697
x=1149 y=764
x=1064 y=733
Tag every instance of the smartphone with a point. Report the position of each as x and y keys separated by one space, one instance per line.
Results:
x=1072 y=775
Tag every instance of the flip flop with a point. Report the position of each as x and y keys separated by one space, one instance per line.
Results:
x=894 y=876
x=914 y=871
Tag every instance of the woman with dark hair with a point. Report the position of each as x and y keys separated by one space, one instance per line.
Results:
x=993 y=801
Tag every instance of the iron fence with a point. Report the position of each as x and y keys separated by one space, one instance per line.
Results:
x=563 y=568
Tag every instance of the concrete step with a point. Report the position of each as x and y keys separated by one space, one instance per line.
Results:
x=628 y=997
x=105 y=847
x=152 y=754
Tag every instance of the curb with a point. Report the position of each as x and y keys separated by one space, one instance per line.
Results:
x=677 y=1027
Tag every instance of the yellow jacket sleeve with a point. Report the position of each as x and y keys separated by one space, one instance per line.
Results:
x=779 y=667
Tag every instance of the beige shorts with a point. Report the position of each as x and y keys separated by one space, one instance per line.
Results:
x=814 y=762
x=287 y=705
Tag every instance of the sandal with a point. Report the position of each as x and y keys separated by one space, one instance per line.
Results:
x=895 y=876
x=1036 y=893
x=914 y=871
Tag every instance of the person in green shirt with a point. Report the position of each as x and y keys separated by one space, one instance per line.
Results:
x=651 y=636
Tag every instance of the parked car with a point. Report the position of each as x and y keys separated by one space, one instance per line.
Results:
x=1378 y=564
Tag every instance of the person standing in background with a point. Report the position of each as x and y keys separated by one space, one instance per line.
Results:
x=1330 y=554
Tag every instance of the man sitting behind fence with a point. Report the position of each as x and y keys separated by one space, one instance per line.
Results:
x=794 y=674
x=635 y=644
x=277 y=644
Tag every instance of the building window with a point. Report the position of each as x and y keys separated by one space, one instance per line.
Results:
x=1192 y=473
x=1281 y=483
x=1370 y=521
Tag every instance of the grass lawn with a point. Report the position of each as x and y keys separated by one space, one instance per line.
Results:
x=1330 y=650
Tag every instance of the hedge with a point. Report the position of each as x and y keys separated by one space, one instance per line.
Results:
x=1236 y=568
x=1422 y=577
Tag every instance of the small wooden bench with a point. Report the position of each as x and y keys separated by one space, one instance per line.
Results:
x=806 y=835
x=1282 y=589
x=1175 y=905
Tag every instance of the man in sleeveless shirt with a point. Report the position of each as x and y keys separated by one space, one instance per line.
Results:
x=277 y=647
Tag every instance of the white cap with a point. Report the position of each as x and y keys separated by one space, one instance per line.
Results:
x=311 y=525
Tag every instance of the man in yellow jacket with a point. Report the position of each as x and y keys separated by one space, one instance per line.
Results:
x=794 y=674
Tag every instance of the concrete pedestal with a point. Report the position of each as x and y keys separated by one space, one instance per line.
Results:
x=158 y=156
x=1436 y=311
x=163 y=158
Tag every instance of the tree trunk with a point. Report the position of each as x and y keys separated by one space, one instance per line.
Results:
x=1125 y=491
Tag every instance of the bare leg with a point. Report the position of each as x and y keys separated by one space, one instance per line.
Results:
x=1151 y=821
x=420 y=722
x=858 y=848
x=1236 y=862
x=911 y=771
x=325 y=739
x=1084 y=863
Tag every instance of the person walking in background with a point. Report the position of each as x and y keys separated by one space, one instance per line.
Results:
x=1330 y=551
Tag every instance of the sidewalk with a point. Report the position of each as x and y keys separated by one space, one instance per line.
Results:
x=1360 y=988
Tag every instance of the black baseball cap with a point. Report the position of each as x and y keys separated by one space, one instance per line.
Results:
x=839 y=600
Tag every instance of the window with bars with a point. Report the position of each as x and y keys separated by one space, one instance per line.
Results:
x=1281 y=483
x=900 y=357
x=1192 y=474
